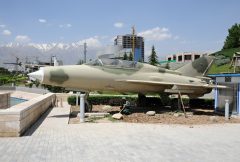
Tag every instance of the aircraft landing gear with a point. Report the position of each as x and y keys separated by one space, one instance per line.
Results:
x=142 y=100
x=166 y=101
x=88 y=106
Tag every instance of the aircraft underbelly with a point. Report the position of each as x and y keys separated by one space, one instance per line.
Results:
x=129 y=87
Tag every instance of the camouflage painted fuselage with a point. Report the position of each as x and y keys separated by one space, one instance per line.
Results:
x=143 y=78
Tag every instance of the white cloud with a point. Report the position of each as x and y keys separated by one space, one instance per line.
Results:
x=22 y=38
x=65 y=25
x=42 y=20
x=183 y=42
x=118 y=24
x=176 y=37
x=91 y=42
x=6 y=32
x=156 y=34
x=2 y=26
x=69 y=25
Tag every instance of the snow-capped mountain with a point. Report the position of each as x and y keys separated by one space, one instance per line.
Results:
x=44 y=46
x=69 y=53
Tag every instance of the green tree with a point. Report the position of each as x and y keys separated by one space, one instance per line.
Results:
x=130 y=58
x=54 y=89
x=233 y=38
x=125 y=56
x=37 y=83
x=153 y=58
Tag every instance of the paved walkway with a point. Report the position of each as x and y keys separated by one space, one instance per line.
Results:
x=54 y=140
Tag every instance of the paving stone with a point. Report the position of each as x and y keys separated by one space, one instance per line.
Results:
x=53 y=139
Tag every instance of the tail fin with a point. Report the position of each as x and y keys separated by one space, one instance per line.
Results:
x=198 y=67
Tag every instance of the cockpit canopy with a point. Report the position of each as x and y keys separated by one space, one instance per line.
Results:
x=115 y=63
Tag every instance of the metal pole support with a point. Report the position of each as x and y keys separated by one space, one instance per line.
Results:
x=82 y=108
x=226 y=110
x=61 y=102
x=76 y=98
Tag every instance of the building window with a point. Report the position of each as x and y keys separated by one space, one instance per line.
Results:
x=179 y=58
x=196 y=57
x=174 y=57
x=188 y=57
x=228 y=79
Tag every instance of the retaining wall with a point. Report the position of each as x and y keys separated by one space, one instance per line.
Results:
x=4 y=100
x=24 y=89
x=17 y=119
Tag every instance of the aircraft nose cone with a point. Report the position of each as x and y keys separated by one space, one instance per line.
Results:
x=37 y=75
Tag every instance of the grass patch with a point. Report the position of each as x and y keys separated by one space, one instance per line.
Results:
x=110 y=118
x=214 y=69
x=93 y=119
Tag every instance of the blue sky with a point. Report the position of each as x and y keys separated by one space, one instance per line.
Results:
x=171 y=25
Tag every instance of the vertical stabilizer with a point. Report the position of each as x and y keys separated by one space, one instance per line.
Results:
x=199 y=67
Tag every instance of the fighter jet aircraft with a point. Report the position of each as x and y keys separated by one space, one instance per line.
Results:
x=129 y=76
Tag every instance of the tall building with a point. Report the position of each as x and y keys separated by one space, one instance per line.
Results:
x=126 y=41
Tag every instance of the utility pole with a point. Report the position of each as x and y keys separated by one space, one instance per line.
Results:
x=51 y=60
x=37 y=59
x=26 y=60
x=17 y=63
x=85 y=52
x=133 y=42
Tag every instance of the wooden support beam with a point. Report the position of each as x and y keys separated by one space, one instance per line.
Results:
x=180 y=97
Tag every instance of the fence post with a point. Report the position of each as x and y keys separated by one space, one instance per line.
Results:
x=226 y=110
x=82 y=108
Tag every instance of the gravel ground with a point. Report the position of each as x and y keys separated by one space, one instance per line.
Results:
x=163 y=115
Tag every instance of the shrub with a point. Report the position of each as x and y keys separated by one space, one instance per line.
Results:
x=102 y=100
x=150 y=101
x=71 y=100
x=222 y=61
x=30 y=85
x=203 y=103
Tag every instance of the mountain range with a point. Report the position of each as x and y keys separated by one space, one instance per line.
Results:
x=69 y=53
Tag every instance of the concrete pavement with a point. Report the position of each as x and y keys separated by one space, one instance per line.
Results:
x=53 y=139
